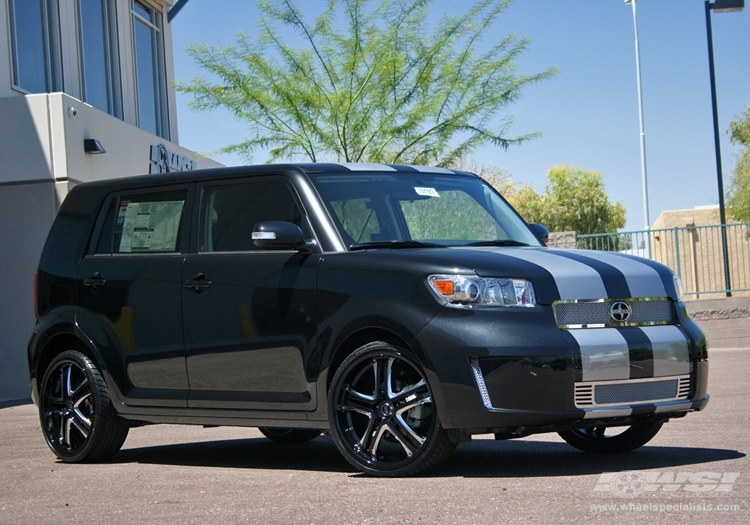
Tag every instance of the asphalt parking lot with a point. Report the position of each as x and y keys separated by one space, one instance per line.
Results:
x=696 y=470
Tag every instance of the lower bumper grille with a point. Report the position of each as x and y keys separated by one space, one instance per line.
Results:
x=605 y=393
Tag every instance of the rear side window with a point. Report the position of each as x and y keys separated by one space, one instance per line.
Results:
x=143 y=223
x=230 y=213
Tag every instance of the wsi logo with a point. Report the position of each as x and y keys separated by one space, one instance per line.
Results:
x=164 y=161
x=632 y=483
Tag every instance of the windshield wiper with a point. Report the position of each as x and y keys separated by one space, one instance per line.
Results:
x=394 y=244
x=497 y=242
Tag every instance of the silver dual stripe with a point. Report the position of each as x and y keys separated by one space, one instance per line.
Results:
x=605 y=355
x=369 y=166
x=577 y=280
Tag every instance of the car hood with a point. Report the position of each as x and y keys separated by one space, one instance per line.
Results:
x=560 y=274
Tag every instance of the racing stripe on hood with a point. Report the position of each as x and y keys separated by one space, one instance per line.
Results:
x=590 y=274
x=615 y=282
x=574 y=279
x=499 y=262
x=645 y=278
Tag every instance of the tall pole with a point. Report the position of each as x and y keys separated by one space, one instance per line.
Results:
x=644 y=178
x=717 y=147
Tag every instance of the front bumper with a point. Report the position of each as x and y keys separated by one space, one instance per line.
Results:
x=515 y=372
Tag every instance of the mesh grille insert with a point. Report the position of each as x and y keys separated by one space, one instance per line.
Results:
x=577 y=313
x=634 y=392
x=593 y=394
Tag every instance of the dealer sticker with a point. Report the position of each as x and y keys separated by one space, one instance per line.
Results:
x=427 y=192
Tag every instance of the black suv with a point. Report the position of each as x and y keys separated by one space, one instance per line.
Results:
x=400 y=308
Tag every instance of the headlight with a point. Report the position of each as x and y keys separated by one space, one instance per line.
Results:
x=678 y=288
x=472 y=291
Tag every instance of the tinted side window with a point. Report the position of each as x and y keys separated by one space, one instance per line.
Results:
x=230 y=212
x=143 y=223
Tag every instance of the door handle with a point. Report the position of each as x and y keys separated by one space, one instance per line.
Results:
x=95 y=282
x=198 y=283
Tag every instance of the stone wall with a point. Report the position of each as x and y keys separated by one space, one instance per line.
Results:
x=725 y=321
x=562 y=240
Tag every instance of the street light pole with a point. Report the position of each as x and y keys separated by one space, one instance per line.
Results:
x=644 y=178
x=720 y=6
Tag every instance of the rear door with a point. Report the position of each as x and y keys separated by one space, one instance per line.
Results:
x=129 y=291
x=249 y=314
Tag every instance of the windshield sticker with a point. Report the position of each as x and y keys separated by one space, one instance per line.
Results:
x=427 y=192
x=150 y=226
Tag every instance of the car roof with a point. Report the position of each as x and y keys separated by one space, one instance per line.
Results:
x=181 y=177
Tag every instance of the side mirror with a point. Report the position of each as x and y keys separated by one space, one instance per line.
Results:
x=540 y=232
x=279 y=235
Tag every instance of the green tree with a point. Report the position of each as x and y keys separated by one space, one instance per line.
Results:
x=574 y=200
x=370 y=83
x=739 y=191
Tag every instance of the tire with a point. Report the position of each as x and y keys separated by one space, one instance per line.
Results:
x=289 y=435
x=596 y=440
x=77 y=417
x=382 y=415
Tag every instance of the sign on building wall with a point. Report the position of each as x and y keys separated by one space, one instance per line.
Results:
x=164 y=161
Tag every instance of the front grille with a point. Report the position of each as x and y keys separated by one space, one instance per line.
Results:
x=595 y=314
x=635 y=391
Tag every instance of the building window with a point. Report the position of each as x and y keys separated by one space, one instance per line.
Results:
x=35 y=41
x=149 y=69
x=98 y=55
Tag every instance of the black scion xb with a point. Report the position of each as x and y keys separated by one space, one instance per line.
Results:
x=399 y=308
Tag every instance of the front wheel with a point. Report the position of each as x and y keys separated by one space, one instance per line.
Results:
x=382 y=415
x=289 y=435
x=78 y=419
x=602 y=440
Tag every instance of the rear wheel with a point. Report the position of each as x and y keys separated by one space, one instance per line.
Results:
x=77 y=416
x=611 y=439
x=382 y=415
x=289 y=435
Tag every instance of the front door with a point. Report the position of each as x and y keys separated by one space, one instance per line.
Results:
x=249 y=314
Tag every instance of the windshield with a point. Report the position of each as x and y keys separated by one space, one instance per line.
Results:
x=381 y=209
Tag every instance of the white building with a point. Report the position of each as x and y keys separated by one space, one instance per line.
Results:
x=84 y=95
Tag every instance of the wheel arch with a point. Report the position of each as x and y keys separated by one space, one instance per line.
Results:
x=56 y=344
x=361 y=337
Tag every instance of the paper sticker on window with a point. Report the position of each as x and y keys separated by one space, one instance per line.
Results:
x=150 y=226
x=427 y=192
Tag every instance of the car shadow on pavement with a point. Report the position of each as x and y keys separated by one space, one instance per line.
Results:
x=523 y=459
x=319 y=454
x=479 y=458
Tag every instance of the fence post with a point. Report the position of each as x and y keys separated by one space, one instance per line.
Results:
x=725 y=249
x=677 y=250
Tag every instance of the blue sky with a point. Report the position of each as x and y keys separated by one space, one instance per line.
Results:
x=587 y=113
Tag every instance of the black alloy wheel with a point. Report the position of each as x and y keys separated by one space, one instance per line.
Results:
x=382 y=415
x=289 y=435
x=605 y=440
x=77 y=417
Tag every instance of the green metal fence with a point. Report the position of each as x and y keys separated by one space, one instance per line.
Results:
x=695 y=253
